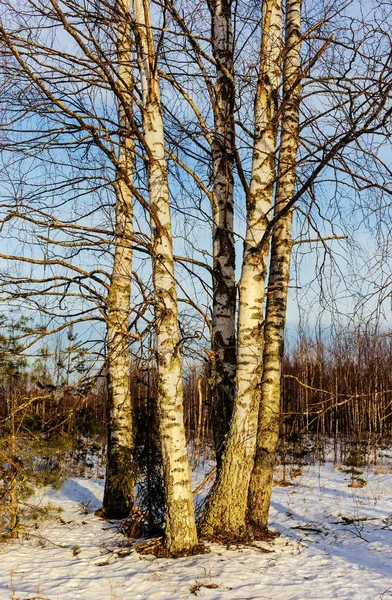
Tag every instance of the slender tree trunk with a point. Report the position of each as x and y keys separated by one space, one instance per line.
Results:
x=226 y=506
x=224 y=288
x=180 y=527
x=14 y=506
x=119 y=486
x=260 y=488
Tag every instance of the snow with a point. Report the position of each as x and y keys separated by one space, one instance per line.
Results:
x=335 y=542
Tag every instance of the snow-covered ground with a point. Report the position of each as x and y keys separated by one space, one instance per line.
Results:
x=336 y=542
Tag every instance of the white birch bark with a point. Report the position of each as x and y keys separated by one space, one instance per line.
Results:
x=224 y=287
x=226 y=506
x=260 y=488
x=180 y=527
x=119 y=485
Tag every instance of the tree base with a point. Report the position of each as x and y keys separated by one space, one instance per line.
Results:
x=252 y=534
x=262 y=534
x=157 y=549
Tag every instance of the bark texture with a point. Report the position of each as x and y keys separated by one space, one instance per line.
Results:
x=226 y=506
x=119 y=485
x=224 y=287
x=260 y=488
x=180 y=527
x=13 y=486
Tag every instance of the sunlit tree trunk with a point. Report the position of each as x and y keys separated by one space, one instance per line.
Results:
x=180 y=527
x=119 y=486
x=14 y=506
x=260 y=488
x=224 y=288
x=226 y=505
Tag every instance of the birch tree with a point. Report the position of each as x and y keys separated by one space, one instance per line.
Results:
x=364 y=116
x=69 y=69
x=224 y=285
x=214 y=66
x=260 y=488
x=180 y=527
x=226 y=505
x=57 y=87
x=119 y=483
x=360 y=109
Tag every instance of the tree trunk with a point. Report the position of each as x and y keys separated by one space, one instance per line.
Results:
x=226 y=506
x=119 y=486
x=180 y=527
x=224 y=288
x=260 y=488
x=14 y=505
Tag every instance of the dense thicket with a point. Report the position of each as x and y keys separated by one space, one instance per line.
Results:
x=339 y=385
